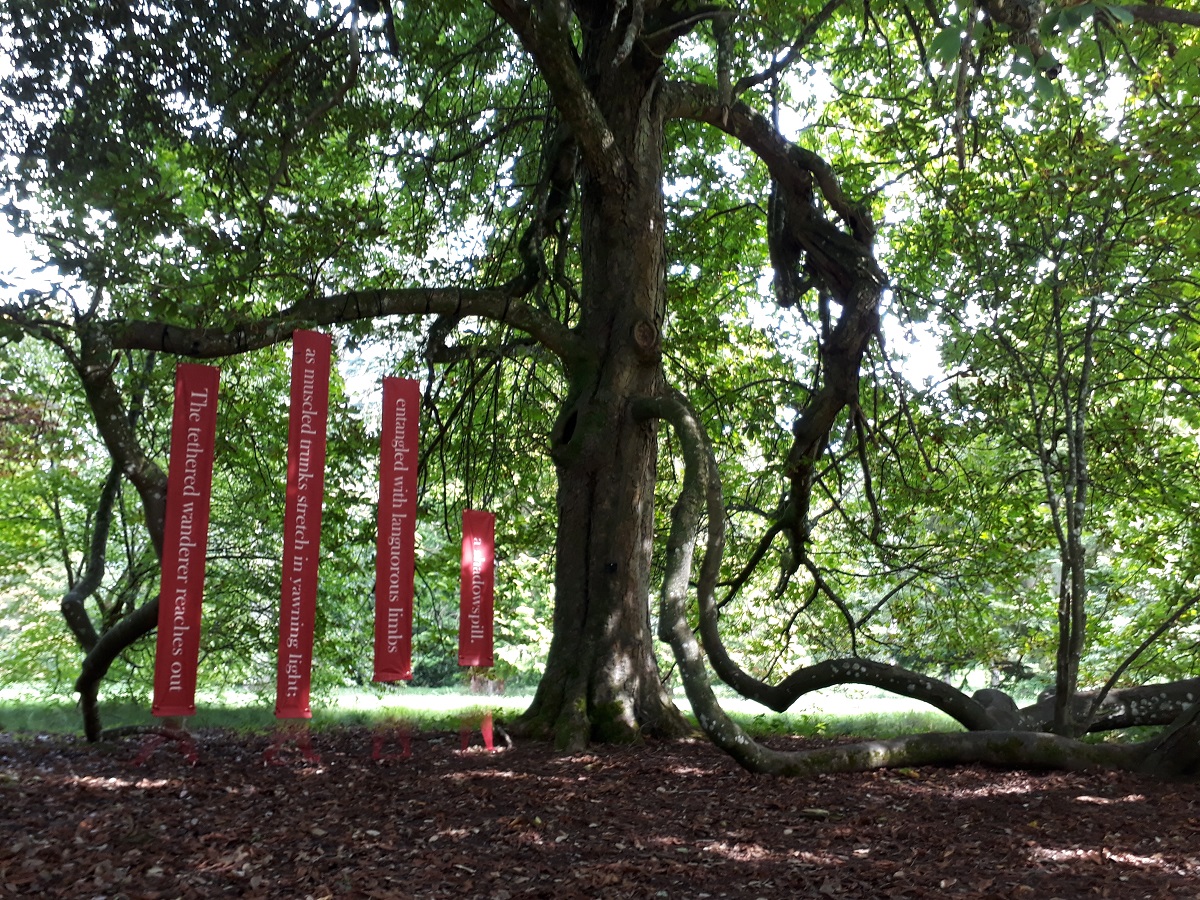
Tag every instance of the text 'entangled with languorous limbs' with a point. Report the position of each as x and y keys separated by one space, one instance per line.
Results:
x=395 y=551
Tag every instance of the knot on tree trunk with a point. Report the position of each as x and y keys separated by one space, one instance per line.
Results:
x=647 y=340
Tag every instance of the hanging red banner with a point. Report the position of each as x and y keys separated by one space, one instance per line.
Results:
x=476 y=593
x=395 y=550
x=185 y=539
x=302 y=521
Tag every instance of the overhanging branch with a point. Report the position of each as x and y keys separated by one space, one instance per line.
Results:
x=838 y=258
x=1010 y=749
x=338 y=309
x=544 y=32
x=790 y=164
x=1164 y=15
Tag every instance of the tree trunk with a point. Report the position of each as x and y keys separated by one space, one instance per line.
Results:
x=116 y=426
x=602 y=680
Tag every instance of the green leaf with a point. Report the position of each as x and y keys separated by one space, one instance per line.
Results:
x=1045 y=88
x=1073 y=16
x=945 y=47
x=1187 y=54
x=1116 y=13
x=1046 y=61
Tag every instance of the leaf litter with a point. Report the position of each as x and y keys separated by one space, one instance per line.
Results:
x=666 y=819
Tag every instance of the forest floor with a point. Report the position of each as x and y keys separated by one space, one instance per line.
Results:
x=674 y=820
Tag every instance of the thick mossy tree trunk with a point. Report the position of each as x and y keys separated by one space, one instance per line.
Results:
x=601 y=680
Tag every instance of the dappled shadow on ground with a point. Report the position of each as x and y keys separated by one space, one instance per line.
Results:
x=669 y=820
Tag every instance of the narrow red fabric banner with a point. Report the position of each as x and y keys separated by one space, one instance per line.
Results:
x=476 y=594
x=395 y=550
x=307 y=420
x=185 y=539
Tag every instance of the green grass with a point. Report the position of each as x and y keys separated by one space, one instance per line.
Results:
x=843 y=711
x=426 y=708
x=848 y=710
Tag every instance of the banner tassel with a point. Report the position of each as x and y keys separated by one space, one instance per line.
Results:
x=297 y=736
x=486 y=728
x=402 y=734
x=178 y=736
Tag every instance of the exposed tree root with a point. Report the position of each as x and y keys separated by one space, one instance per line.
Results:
x=1175 y=753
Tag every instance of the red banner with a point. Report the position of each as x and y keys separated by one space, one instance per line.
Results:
x=185 y=539
x=395 y=550
x=478 y=579
x=302 y=521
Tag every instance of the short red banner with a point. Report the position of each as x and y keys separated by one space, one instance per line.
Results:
x=476 y=595
x=185 y=539
x=395 y=550
x=307 y=419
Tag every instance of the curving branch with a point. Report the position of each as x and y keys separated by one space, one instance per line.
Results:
x=789 y=163
x=839 y=260
x=1143 y=705
x=1141 y=648
x=699 y=495
x=702 y=496
x=94 y=364
x=336 y=309
x=543 y=28
x=74 y=612
x=1176 y=752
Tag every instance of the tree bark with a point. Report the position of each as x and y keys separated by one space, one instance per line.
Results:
x=72 y=605
x=602 y=680
x=116 y=425
x=1144 y=705
x=1175 y=753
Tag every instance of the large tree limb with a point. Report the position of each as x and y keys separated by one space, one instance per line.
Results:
x=96 y=664
x=352 y=306
x=94 y=364
x=1128 y=707
x=543 y=28
x=840 y=259
x=1176 y=752
x=791 y=165
x=1164 y=15
x=1150 y=704
x=998 y=748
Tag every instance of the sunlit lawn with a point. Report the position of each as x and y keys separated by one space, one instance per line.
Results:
x=841 y=711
